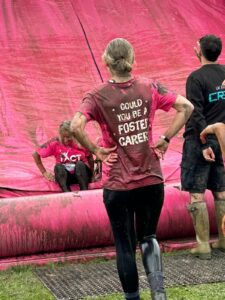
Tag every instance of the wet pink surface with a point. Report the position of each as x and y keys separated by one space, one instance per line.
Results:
x=74 y=221
x=51 y=55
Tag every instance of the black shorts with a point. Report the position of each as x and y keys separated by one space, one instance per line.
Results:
x=197 y=174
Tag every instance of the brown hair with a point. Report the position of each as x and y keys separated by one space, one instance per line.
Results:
x=119 y=56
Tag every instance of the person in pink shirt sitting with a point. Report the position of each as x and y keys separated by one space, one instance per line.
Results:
x=124 y=106
x=74 y=164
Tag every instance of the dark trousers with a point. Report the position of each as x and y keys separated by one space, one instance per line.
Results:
x=64 y=178
x=133 y=215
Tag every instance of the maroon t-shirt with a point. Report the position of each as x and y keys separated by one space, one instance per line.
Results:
x=125 y=113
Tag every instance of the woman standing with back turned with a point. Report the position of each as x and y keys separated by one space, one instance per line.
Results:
x=124 y=106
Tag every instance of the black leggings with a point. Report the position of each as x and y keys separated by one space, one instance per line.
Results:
x=133 y=216
x=64 y=178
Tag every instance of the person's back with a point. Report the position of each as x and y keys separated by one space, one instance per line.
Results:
x=133 y=190
x=205 y=85
x=202 y=165
x=130 y=107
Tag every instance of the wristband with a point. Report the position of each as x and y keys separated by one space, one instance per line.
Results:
x=166 y=139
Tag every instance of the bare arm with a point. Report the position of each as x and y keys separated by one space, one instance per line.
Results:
x=219 y=130
x=223 y=225
x=220 y=133
x=184 y=109
x=78 y=124
x=41 y=167
x=78 y=128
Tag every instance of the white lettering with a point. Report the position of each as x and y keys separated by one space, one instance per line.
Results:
x=75 y=158
x=136 y=113
x=134 y=139
x=124 y=117
x=64 y=157
x=72 y=158
x=145 y=111
x=132 y=126
x=131 y=105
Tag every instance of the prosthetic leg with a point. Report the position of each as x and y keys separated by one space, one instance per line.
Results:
x=199 y=214
x=220 y=212
x=152 y=262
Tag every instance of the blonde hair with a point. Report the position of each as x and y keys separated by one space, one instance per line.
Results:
x=65 y=126
x=119 y=56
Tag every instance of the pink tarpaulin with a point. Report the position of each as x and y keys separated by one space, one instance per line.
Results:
x=51 y=55
x=79 y=220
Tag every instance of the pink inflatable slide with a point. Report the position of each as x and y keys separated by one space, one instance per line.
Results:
x=50 y=56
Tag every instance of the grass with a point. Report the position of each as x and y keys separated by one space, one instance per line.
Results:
x=21 y=283
x=215 y=291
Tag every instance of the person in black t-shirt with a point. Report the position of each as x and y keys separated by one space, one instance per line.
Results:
x=202 y=164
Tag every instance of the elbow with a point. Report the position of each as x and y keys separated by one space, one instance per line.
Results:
x=78 y=124
x=183 y=105
x=35 y=155
x=190 y=108
x=74 y=128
